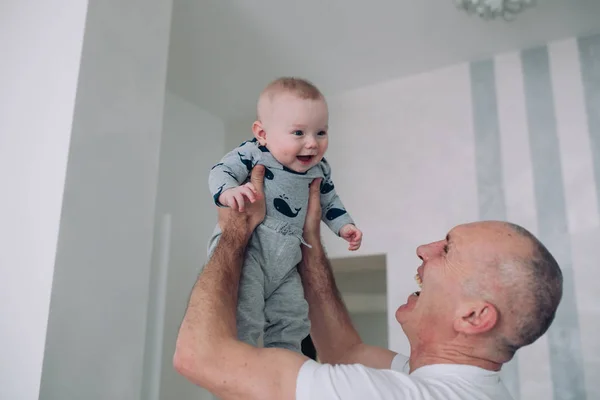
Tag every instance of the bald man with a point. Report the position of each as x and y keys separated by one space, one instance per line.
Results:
x=487 y=289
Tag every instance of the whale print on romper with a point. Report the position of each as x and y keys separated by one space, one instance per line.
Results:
x=326 y=186
x=230 y=174
x=246 y=162
x=283 y=207
x=218 y=194
x=268 y=174
x=333 y=213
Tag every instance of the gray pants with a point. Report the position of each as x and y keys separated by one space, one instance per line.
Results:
x=271 y=299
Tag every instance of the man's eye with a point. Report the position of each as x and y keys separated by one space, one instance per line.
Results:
x=298 y=133
x=446 y=249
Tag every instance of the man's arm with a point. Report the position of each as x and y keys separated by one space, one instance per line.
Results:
x=336 y=340
x=207 y=350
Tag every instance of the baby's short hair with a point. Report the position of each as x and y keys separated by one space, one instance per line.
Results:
x=299 y=87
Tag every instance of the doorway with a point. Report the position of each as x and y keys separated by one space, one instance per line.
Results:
x=362 y=282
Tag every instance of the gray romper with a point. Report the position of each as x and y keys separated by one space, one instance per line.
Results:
x=271 y=299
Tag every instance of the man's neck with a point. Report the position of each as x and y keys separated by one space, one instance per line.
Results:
x=450 y=355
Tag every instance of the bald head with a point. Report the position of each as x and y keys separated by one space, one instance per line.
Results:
x=523 y=281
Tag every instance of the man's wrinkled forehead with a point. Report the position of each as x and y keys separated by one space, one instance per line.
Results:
x=468 y=235
x=486 y=239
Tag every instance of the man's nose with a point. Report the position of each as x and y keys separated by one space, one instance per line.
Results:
x=426 y=251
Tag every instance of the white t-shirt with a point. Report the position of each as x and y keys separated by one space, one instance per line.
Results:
x=431 y=382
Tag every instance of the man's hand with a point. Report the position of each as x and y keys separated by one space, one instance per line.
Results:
x=254 y=212
x=312 y=224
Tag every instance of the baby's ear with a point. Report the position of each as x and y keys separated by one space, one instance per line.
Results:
x=259 y=133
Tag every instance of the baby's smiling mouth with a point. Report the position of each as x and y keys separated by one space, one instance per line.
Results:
x=305 y=158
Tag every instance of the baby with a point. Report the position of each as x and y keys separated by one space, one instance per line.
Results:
x=290 y=139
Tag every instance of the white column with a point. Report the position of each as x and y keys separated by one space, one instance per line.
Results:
x=78 y=244
x=40 y=43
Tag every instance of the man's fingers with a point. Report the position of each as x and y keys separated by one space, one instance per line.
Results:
x=315 y=187
x=314 y=199
x=257 y=179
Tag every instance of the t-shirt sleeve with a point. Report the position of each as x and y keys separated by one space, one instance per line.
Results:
x=348 y=382
x=400 y=363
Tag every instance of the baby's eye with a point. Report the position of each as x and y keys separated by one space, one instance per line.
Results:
x=322 y=133
x=298 y=133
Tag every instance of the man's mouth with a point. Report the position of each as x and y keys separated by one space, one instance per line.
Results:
x=420 y=283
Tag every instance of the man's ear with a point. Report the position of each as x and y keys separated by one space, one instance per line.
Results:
x=475 y=318
x=259 y=133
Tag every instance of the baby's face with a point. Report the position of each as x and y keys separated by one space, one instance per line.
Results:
x=296 y=131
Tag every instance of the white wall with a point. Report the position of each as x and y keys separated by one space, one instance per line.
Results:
x=97 y=321
x=237 y=131
x=513 y=137
x=192 y=143
x=38 y=77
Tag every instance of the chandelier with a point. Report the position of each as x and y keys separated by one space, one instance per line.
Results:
x=492 y=9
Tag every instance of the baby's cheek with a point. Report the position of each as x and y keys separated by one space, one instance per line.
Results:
x=283 y=153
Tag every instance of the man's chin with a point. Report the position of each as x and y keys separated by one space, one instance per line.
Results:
x=402 y=314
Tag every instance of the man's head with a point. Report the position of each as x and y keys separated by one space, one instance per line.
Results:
x=292 y=123
x=488 y=289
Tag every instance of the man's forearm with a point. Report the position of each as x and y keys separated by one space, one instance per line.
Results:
x=331 y=328
x=210 y=317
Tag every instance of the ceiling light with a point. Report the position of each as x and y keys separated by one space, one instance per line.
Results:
x=492 y=9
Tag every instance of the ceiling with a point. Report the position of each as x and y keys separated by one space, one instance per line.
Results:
x=223 y=52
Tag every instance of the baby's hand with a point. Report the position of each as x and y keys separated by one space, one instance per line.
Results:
x=351 y=234
x=236 y=197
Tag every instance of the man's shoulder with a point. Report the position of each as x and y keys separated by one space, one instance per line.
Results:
x=322 y=381
x=400 y=363
x=353 y=381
